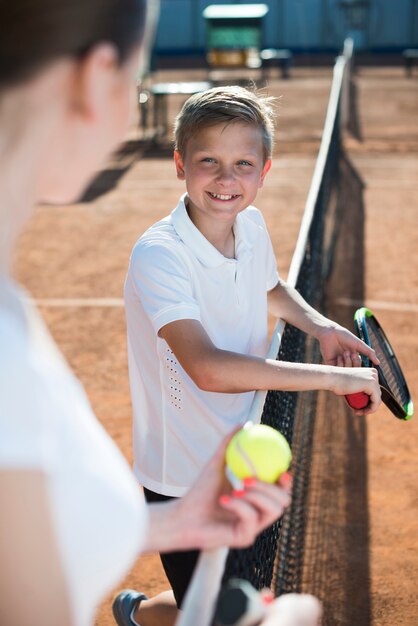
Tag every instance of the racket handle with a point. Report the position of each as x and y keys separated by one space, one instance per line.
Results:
x=200 y=599
x=358 y=400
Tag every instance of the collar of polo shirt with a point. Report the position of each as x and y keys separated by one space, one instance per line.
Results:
x=207 y=254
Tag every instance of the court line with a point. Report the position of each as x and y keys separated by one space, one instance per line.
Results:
x=79 y=302
x=403 y=307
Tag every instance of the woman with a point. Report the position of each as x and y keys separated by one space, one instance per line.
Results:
x=72 y=517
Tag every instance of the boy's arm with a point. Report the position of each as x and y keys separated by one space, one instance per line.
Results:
x=222 y=371
x=338 y=344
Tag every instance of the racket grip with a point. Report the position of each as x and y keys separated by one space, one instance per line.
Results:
x=358 y=400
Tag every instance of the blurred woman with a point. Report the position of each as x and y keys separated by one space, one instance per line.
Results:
x=72 y=516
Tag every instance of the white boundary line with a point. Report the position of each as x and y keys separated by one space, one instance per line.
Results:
x=79 y=302
x=403 y=307
x=385 y=305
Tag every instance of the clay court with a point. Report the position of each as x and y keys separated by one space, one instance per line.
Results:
x=73 y=260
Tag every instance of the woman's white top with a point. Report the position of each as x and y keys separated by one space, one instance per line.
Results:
x=47 y=425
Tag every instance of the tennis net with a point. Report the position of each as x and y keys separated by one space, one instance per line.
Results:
x=276 y=559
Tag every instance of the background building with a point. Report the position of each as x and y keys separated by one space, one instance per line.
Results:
x=303 y=26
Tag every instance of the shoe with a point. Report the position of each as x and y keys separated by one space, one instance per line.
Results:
x=123 y=605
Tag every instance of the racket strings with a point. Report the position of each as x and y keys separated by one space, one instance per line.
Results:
x=389 y=366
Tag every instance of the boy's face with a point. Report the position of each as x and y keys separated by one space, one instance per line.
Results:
x=223 y=168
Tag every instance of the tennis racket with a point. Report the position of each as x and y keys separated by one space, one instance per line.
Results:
x=395 y=392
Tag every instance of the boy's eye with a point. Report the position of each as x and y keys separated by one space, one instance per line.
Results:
x=243 y=162
x=208 y=160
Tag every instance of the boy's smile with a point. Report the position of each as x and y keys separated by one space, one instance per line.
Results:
x=223 y=168
x=218 y=196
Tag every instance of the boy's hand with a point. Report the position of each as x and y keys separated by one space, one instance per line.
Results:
x=347 y=381
x=340 y=347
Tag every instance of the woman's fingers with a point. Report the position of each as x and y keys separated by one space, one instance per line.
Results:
x=256 y=506
x=294 y=610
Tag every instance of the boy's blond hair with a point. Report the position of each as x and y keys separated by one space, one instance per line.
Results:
x=222 y=105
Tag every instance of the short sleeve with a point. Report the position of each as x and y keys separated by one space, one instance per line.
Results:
x=271 y=265
x=162 y=280
x=265 y=246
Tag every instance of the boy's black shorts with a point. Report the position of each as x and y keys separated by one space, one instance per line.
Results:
x=178 y=566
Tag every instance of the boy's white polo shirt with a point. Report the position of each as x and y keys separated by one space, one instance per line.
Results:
x=175 y=273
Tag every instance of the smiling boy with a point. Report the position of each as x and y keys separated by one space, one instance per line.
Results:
x=199 y=287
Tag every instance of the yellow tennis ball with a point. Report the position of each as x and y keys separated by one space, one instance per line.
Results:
x=260 y=451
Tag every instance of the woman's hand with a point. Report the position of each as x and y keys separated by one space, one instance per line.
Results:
x=213 y=515
x=223 y=517
x=293 y=609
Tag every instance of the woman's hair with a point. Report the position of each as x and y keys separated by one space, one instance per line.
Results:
x=34 y=33
x=222 y=105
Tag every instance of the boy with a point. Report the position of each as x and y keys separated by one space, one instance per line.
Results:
x=199 y=285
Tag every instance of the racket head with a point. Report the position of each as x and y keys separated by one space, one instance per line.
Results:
x=395 y=392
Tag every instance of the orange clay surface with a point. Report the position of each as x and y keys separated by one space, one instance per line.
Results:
x=73 y=261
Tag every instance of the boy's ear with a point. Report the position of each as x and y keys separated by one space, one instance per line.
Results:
x=179 y=165
x=264 y=171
